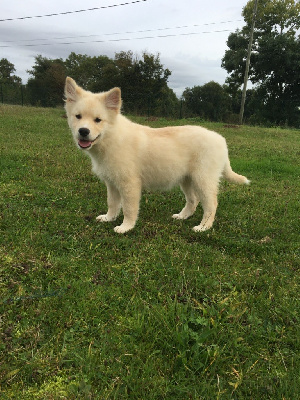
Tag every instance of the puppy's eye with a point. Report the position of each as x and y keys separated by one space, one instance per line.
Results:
x=97 y=120
x=78 y=116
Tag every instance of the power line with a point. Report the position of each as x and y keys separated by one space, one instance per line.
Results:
x=73 y=12
x=120 y=33
x=121 y=39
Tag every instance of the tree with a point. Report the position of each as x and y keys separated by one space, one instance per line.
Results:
x=167 y=104
x=192 y=100
x=47 y=83
x=274 y=15
x=11 y=90
x=152 y=80
x=277 y=74
x=143 y=80
x=209 y=101
x=126 y=76
x=275 y=60
x=7 y=70
x=89 y=72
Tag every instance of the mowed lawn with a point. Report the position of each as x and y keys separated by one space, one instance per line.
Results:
x=158 y=313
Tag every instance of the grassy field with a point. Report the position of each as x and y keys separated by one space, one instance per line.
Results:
x=161 y=312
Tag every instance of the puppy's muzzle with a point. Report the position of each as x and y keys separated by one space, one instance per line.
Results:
x=84 y=142
x=83 y=132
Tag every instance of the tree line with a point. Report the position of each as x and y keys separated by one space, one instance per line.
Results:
x=274 y=72
x=143 y=80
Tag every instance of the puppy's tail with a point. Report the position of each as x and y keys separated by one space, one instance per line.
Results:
x=231 y=176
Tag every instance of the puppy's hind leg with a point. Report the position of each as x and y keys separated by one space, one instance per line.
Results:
x=207 y=190
x=130 y=197
x=191 y=198
x=114 y=204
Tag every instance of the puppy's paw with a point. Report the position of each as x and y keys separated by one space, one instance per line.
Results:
x=123 y=228
x=201 y=228
x=180 y=216
x=104 y=218
x=184 y=214
x=177 y=216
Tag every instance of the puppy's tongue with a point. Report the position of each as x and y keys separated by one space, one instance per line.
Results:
x=84 y=143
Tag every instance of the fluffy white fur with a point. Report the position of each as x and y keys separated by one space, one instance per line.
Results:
x=130 y=157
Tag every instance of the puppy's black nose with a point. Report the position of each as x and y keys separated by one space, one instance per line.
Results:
x=83 y=132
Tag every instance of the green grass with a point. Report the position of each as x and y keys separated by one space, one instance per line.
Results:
x=161 y=312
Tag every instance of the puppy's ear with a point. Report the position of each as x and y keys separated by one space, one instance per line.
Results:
x=71 y=90
x=113 y=99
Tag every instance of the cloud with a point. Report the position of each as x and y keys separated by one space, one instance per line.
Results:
x=193 y=59
x=189 y=71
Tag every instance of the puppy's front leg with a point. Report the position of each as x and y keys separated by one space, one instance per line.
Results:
x=113 y=202
x=130 y=198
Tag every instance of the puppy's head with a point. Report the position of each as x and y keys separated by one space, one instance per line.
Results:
x=90 y=114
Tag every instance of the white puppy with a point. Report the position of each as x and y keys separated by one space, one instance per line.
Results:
x=130 y=157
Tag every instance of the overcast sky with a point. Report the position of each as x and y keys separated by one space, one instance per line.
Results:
x=196 y=33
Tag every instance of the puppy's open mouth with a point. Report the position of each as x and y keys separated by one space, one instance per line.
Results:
x=86 y=144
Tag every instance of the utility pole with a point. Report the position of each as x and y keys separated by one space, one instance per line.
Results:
x=22 y=95
x=247 y=64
